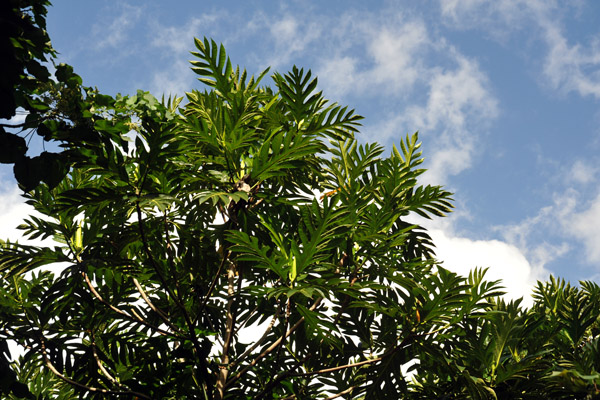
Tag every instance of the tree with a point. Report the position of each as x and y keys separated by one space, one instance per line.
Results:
x=57 y=108
x=207 y=223
x=244 y=245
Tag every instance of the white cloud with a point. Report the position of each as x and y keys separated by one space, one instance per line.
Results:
x=569 y=218
x=395 y=52
x=179 y=39
x=567 y=67
x=291 y=36
x=572 y=68
x=585 y=225
x=582 y=172
x=518 y=270
x=500 y=17
x=374 y=58
x=458 y=108
x=115 y=32
x=339 y=75
x=503 y=260
x=178 y=78
x=13 y=210
x=396 y=56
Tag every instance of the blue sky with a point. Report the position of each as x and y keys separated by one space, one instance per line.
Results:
x=505 y=95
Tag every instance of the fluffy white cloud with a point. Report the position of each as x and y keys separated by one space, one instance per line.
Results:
x=504 y=261
x=13 y=210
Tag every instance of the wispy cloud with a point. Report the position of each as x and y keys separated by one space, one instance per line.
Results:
x=570 y=219
x=584 y=224
x=456 y=112
x=291 y=37
x=175 y=43
x=374 y=58
x=582 y=172
x=571 y=67
x=567 y=67
x=116 y=31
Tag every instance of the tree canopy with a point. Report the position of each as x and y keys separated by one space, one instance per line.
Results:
x=241 y=243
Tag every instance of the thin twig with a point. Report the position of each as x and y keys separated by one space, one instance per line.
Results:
x=13 y=126
x=272 y=346
x=343 y=392
x=52 y=368
x=333 y=369
x=242 y=324
x=137 y=318
x=256 y=344
x=170 y=255
x=214 y=282
x=153 y=307
x=103 y=370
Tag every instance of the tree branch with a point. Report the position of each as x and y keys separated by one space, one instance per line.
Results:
x=256 y=344
x=70 y=381
x=214 y=281
x=13 y=126
x=103 y=370
x=229 y=327
x=273 y=346
x=333 y=369
x=153 y=307
x=343 y=392
x=137 y=318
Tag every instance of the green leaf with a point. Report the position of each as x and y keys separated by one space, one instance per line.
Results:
x=13 y=147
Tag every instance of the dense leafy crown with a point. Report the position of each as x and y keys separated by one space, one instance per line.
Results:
x=244 y=245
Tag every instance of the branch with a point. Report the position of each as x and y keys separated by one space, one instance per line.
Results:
x=286 y=374
x=343 y=392
x=153 y=307
x=103 y=370
x=272 y=346
x=333 y=369
x=13 y=126
x=163 y=281
x=123 y=313
x=344 y=260
x=81 y=385
x=214 y=282
x=388 y=353
x=231 y=316
x=170 y=256
x=256 y=344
